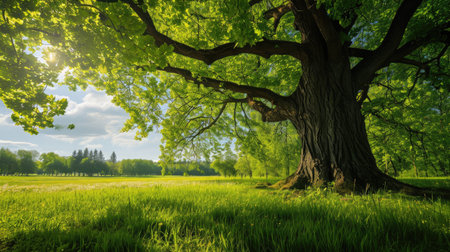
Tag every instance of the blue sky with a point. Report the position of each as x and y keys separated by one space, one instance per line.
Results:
x=97 y=126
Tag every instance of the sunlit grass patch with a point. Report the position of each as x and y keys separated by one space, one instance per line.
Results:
x=217 y=215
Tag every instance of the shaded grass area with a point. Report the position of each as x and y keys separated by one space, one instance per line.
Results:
x=429 y=182
x=216 y=215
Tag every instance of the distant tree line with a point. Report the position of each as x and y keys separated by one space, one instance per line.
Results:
x=21 y=163
x=91 y=163
x=186 y=168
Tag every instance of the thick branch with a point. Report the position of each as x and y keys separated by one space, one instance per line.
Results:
x=359 y=52
x=277 y=13
x=265 y=48
x=398 y=26
x=368 y=66
x=253 y=2
x=363 y=53
x=327 y=29
x=437 y=34
x=268 y=114
x=226 y=85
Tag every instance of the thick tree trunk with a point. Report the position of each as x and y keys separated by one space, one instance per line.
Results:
x=335 y=147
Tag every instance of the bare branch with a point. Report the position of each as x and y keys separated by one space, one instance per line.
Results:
x=265 y=48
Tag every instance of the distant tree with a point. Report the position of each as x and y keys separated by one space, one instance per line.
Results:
x=101 y=157
x=27 y=163
x=95 y=155
x=243 y=167
x=113 y=158
x=8 y=162
x=75 y=166
x=72 y=164
x=86 y=166
x=52 y=164
x=138 y=167
x=86 y=153
x=102 y=167
x=225 y=164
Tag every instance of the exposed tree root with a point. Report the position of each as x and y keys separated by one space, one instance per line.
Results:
x=384 y=182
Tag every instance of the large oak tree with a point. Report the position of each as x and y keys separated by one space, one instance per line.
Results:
x=309 y=62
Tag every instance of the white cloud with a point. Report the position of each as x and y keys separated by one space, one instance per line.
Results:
x=62 y=138
x=94 y=146
x=97 y=126
x=95 y=117
x=126 y=139
x=5 y=119
x=17 y=143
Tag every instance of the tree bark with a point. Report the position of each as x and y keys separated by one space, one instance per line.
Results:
x=335 y=147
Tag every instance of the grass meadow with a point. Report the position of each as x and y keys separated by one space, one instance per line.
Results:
x=212 y=214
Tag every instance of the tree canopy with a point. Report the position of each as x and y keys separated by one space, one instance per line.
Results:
x=197 y=68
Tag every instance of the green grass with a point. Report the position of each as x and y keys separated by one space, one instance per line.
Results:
x=430 y=182
x=210 y=214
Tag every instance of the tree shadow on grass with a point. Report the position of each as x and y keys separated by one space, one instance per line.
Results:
x=233 y=227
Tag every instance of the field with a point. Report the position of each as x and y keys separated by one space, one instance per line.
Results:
x=212 y=214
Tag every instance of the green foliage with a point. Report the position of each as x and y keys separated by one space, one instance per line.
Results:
x=224 y=167
x=52 y=163
x=106 y=45
x=185 y=167
x=8 y=162
x=406 y=123
x=224 y=164
x=27 y=162
x=138 y=167
x=191 y=214
x=268 y=149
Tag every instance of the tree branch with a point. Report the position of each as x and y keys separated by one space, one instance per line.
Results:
x=253 y=2
x=268 y=114
x=102 y=15
x=226 y=85
x=327 y=29
x=437 y=34
x=265 y=48
x=277 y=13
x=200 y=131
x=395 y=123
x=369 y=65
x=363 y=53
